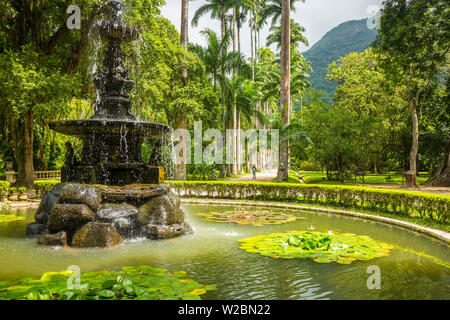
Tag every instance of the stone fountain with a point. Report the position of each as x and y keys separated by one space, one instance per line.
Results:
x=110 y=193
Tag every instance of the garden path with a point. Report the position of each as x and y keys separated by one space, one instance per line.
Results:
x=266 y=176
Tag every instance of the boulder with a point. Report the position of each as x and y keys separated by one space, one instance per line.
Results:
x=81 y=194
x=56 y=239
x=109 y=212
x=175 y=200
x=96 y=234
x=122 y=216
x=68 y=217
x=34 y=229
x=158 y=232
x=58 y=189
x=159 y=211
x=48 y=202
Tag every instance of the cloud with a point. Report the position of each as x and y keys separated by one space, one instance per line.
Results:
x=317 y=16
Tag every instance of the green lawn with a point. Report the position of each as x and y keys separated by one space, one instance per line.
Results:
x=318 y=177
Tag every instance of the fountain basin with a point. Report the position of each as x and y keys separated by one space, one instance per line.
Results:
x=86 y=128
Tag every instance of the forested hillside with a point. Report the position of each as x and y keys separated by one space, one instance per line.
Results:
x=350 y=36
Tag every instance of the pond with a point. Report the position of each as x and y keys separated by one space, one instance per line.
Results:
x=212 y=256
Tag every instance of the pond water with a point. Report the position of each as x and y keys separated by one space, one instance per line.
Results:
x=212 y=256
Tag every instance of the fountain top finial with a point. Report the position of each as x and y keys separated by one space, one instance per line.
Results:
x=116 y=9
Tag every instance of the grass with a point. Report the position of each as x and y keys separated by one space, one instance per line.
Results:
x=319 y=177
x=232 y=177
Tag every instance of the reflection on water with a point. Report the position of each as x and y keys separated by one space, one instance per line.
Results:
x=212 y=256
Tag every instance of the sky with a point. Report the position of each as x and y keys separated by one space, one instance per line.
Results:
x=317 y=16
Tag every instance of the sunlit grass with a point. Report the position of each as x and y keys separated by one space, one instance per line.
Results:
x=318 y=177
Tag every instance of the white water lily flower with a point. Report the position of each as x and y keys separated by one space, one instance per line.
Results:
x=311 y=228
x=344 y=246
x=335 y=248
x=330 y=233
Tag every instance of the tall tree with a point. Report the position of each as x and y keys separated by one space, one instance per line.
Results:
x=297 y=36
x=285 y=88
x=184 y=39
x=274 y=9
x=217 y=9
x=415 y=34
x=39 y=54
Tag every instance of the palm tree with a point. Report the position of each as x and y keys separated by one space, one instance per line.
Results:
x=242 y=96
x=273 y=9
x=219 y=62
x=218 y=10
x=180 y=173
x=297 y=36
x=285 y=87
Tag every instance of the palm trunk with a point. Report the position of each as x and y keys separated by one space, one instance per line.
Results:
x=239 y=148
x=223 y=169
x=283 y=166
x=253 y=56
x=180 y=173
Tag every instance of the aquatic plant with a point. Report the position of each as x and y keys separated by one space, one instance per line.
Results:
x=320 y=247
x=129 y=283
x=255 y=217
x=10 y=218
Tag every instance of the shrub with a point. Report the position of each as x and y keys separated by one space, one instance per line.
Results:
x=12 y=190
x=4 y=188
x=414 y=204
x=22 y=190
x=44 y=185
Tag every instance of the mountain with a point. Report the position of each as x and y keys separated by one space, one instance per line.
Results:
x=350 y=36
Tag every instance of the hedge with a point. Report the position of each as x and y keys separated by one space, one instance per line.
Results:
x=4 y=188
x=427 y=206
x=44 y=185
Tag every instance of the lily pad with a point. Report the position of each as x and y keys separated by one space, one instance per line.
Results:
x=251 y=217
x=320 y=247
x=129 y=283
x=10 y=218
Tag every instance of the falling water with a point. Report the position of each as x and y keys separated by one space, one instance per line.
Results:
x=169 y=157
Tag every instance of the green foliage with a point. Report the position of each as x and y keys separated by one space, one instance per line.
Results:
x=130 y=283
x=44 y=185
x=10 y=217
x=320 y=247
x=249 y=216
x=297 y=36
x=430 y=207
x=22 y=190
x=4 y=188
x=12 y=190
x=362 y=130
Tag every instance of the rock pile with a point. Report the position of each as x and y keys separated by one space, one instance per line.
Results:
x=98 y=216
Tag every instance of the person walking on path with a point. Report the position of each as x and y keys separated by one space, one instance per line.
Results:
x=254 y=172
